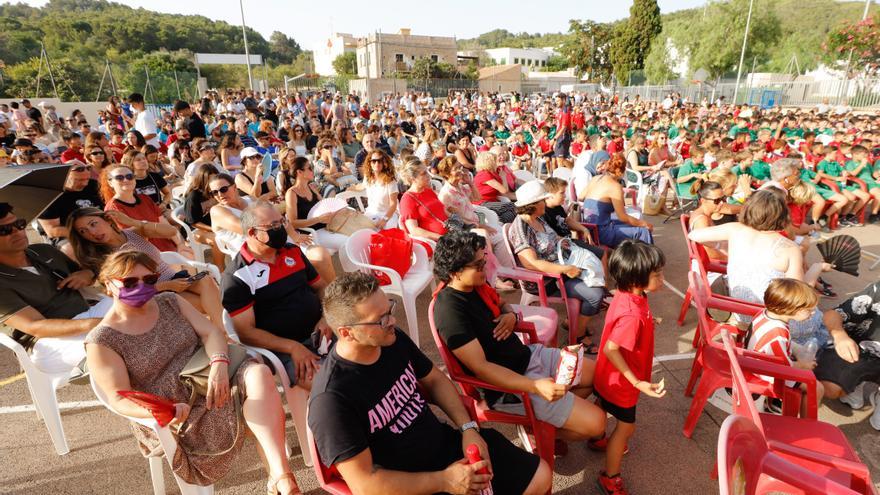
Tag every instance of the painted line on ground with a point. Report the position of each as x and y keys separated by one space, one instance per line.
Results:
x=11 y=379
x=869 y=254
x=63 y=405
x=673 y=289
x=674 y=357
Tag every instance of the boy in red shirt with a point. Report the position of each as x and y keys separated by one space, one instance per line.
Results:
x=623 y=368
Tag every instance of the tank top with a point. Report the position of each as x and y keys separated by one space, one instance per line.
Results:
x=305 y=205
x=264 y=189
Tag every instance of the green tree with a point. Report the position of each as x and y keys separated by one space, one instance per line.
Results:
x=282 y=50
x=587 y=49
x=345 y=64
x=861 y=40
x=624 y=53
x=646 y=24
x=659 y=62
x=556 y=63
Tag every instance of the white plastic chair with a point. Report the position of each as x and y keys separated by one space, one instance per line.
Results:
x=297 y=397
x=197 y=247
x=491 y=218
x=169 y=446
x=562 y=173
x=634 y=181
x=524 y=175
x=177 y=193
x=331 y=241
x=42 y=387
x=175 y=258
x=408 y=289
x=359 y=197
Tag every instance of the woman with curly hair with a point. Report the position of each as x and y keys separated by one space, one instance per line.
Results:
x=380 y=184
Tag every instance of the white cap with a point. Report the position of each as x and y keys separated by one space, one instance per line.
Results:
x=530 y=192
x=249 y=152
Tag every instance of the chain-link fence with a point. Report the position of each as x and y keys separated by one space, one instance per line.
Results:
x=859 y=93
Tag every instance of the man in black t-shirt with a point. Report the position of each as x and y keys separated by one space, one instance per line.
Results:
x=80 y=191
x=271 y=291
x=371 y=420
x=478 y=328
x=191 y=120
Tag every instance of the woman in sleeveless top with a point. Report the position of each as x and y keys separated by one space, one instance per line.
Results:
x=757 y=251
x=94 y=235
x=250 y=179
x=712 y=197
x=604 y=197
x=302 y=196
x=230 y=148
x=143 y=343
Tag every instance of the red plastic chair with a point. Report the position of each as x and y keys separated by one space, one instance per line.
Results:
x=747 y=466
x=712 y=367
x=328 y=477
x=815 y=446
x=544 y=433
x=523 y=275
x=695 y=255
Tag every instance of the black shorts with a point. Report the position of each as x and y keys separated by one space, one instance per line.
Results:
x=623 y=414
x=514 y=468
x=563 y=143
x=832 y=368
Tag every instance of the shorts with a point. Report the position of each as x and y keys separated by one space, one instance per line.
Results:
x=561 y=149
x=312 y=343
x=543 y=364
x=622 y=414
x=514 y=467
x=824 y=191
x=830 y=367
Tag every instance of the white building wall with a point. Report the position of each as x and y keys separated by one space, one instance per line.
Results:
x=327 y=52
x=528 y=58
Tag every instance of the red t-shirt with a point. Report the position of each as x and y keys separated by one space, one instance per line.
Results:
x=577 y=120
x=487 y=192
x=71 y=154
x=798 y=213
x=544 y=144
x=519 y=149
x=425 y=208
x=143 y=209
x=577 y=148
x=630 y=325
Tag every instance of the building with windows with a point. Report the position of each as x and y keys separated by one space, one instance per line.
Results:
x=530 y=59
x=336 y=45
x=383 y=55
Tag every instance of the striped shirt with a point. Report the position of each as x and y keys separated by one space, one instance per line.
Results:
x=772 y=337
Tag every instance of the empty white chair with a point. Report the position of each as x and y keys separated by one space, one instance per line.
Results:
x=524 y=175
x=169 y=445
x=563 y=173
x=42 y=387
x=408 y=288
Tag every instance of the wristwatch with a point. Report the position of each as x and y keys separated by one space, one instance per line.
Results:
x=470 y=425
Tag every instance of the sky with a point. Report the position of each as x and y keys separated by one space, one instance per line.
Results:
x=310 y=26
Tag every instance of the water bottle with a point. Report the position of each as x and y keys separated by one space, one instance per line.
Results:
x=806 y=352
x=473 y=456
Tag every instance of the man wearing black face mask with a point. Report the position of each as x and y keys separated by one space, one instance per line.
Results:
x=273 y=294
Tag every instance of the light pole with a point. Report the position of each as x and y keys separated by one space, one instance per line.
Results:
x=742 y=53
x=844 y=87
x=247 y=53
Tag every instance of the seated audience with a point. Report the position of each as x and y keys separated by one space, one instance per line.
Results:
x=604 y=198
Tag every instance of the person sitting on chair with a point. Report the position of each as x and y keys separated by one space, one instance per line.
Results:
x=370 y=418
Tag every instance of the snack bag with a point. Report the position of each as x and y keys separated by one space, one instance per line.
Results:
x=569 y=371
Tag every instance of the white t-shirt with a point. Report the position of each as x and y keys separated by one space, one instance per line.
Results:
x=145 y=123
x=379 y=197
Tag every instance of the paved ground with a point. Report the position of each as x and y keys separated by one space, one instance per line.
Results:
x=104 y=458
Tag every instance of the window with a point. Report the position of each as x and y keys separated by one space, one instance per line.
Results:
x=413 y=57
x=516 y=60
x=434 y=58
x=543 y=63
x=398 y=57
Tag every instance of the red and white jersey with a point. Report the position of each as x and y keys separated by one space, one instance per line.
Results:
x=770 y=336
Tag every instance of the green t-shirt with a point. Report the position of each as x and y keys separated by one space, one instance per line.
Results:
x=866 y=172
x=592 y=130
x=734 y=130
x=629 y=132
x=673 y=132
x=758 y=170
x=831 y=168
x=687 y=168
x=793 y=132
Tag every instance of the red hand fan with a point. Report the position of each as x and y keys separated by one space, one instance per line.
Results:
x=163 y=410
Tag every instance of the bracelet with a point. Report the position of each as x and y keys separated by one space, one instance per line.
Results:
x=220 y=360
x=219 y=355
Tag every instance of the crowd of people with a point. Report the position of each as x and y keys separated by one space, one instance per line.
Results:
x=485 y=181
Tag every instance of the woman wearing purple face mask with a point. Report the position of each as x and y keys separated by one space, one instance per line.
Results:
x=143 y=343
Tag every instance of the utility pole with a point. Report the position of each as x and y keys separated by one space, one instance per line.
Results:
x=247 y=53
x=844 y=86
x=742 y=53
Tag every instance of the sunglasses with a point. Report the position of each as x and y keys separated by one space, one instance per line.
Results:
x=96 y=153
x=122 y=177
x=131 y=282
x=375 y=160
x=80 y=168
x=222 y=190
x=9 y=228
x=328 y=147
x=717 y=201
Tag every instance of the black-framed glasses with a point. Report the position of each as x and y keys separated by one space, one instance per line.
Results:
x=376 y=160
x=122 y=177
x=222 y=190
x=9 y=228
x=384 y=320
x=80 y=168
x=131 y=282
x=274 y=225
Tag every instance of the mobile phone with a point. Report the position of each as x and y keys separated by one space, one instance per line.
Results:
x=197 y=277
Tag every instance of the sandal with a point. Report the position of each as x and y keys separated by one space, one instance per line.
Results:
x=272 y=485
x=592 y=348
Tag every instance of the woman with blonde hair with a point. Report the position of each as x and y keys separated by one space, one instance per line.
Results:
x=145 y=341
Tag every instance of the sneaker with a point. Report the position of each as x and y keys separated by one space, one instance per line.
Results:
x=601 y=445
x=611 y=485
x=875 y=417
x=856 y=398
x=773 y=405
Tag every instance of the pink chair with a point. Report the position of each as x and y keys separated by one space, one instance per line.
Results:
x=789 y=447
x=328 y=477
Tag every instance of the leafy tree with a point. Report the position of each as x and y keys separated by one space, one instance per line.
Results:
x=556 y=63
x=587 y=48
x=862 y=39
x=282 y=49
x=658 y=62
x=645 y=24
x=345 y=63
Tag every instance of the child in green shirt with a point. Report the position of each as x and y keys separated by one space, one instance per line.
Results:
x=860 y=167
x=689 y=172
x=830 y=169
